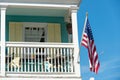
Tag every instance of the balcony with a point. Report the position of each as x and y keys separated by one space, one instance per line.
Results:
x=35 y=42
x=26 y=58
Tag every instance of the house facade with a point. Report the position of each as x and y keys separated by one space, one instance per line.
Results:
x=39 y=40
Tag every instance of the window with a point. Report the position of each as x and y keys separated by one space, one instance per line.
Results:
x=35 y=33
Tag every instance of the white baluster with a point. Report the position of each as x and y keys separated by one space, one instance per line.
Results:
x=71 y=60
x=32 y=59
x=58 y=62
x=64 y=59
x=51 y=55
x=22 y=59
x=67 y=65
x=47 y=58
x=61 y=57
x=8 y=57
x=18 y=55
x=38 y=57
x=28 y=58
x=35 y=59
x=55 y=57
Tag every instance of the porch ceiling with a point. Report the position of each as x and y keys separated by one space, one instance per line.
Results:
x=35 y=7
x=33 y=11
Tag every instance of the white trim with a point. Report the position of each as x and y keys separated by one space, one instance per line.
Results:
x=3 y=22
x=38 y=5
x=34 y=24
x=74 y=26
x=42 y=75
x=38 y=44
x=75 y=40
x=39 y=78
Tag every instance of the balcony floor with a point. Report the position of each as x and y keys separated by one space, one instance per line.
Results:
x=39 y=78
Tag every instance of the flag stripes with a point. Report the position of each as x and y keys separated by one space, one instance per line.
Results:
x=88 y=42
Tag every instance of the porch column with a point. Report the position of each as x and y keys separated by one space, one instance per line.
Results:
x=75 y=40
x=3 y=22
x=74 y=26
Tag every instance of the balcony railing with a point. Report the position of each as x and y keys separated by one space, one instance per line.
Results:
x=29 y=57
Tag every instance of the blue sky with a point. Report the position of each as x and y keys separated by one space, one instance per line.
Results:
x=104 y=18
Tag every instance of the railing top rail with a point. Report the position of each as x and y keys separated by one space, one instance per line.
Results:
x=39 y=44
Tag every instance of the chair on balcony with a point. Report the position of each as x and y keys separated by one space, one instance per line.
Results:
x=15 y=62
x=54 y=62
x=61 y=62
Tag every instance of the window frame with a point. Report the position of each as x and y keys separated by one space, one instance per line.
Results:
x=36 y=25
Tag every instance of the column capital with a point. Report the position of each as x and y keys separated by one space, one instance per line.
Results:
x=3 y=7
x=74 y=9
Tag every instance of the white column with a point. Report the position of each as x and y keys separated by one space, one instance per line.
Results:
x=75 y=40
x=74 y=26
x=3 y=19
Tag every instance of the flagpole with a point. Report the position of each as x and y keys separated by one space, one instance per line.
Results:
x=82 y=36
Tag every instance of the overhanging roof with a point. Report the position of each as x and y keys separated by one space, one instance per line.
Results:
x=67 y=2
x=39 y=7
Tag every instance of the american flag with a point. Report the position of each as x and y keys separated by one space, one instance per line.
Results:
x=88 y=42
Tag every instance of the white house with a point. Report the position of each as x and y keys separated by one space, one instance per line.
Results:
x=36 y=42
